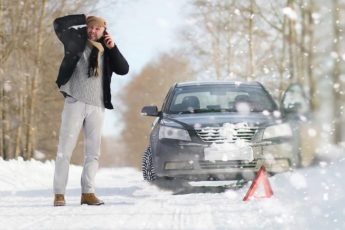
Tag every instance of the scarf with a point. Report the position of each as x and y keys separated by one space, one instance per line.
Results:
x=96 y=51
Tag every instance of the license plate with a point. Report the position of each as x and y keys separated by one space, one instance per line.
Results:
x=228 y=152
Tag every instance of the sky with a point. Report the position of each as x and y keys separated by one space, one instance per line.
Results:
x=309 y=198
x=142 y=29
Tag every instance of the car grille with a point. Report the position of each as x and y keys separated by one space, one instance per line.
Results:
x=227 y=164
x=221 y=134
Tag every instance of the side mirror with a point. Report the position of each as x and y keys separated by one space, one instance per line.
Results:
x=150 y=111
x=293 y=108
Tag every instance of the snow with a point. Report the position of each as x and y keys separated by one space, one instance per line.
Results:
x=288 y=11
x=310 y=198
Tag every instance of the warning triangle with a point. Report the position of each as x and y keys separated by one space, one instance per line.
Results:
x=259 y=178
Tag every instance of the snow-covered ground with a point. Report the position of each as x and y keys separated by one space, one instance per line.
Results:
x=310 y=198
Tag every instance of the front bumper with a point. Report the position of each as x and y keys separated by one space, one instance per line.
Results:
x=176 y=159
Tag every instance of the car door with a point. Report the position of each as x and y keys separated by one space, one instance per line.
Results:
x=296 y=109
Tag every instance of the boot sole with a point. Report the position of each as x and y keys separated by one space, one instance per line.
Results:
x=59 y=204
x=96 y=204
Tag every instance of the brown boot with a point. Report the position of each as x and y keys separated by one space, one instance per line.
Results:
x=90 y=199
x=59 y=200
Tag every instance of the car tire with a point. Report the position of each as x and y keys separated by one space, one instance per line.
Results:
x=296 y=152
x=148 y=170
x=295 y=158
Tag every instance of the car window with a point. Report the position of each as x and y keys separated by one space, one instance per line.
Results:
x=220 y=98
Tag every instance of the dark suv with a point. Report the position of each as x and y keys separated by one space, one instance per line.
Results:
x=222 y=130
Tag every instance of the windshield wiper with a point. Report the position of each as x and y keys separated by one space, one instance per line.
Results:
x=205 y=111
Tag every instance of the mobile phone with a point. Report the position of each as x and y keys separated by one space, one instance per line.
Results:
x=102 y=38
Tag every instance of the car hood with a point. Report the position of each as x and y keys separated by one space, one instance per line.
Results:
x=190 y=121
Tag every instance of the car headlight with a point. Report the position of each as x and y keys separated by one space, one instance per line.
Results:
x=281 y=130
x=173 y=133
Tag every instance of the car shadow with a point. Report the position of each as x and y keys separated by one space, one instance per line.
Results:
x=180 y=187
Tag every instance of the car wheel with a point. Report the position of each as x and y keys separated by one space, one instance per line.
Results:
x=148 y=170
x=295 y=151
x=296 y=160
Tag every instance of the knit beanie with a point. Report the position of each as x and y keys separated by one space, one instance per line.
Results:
x=94 y=20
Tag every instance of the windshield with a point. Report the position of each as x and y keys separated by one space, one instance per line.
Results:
x=221 y=98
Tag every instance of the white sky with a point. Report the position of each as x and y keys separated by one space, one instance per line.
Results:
x=144 y=28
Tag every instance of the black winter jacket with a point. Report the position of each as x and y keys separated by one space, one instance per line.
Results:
x=74 y=41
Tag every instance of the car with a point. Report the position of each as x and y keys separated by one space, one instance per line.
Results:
x=223 y=130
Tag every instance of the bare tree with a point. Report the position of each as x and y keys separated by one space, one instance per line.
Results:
x=31 y=129
x=308 y=44
x=234 y=40
x=212 y=38
x=251 y=39
x=337 y=90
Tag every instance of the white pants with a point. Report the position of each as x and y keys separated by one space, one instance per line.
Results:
x=75 y=115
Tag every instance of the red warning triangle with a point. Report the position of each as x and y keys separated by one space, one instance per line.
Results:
x=260 y=177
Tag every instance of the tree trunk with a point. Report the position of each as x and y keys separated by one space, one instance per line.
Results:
x=2 y=119
x=216 y=47
x=310 y=58
x=251 y=42
x=282 y=62
x=32 y=129
x=19 y=134
x=5 y=122
x=228 y=34
x=292 y=46
x=337 y=112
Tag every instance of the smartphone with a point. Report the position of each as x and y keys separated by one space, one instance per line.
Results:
x=101 y=40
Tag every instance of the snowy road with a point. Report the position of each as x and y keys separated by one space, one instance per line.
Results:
x=307 y=199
